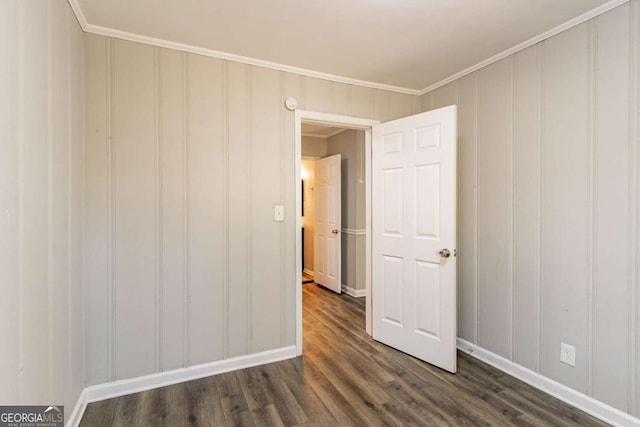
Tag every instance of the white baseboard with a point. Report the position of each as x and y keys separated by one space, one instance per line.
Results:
x=134 y=385
x=357 y=293
x=308 y=272
x=74 y=419
x=581 y=401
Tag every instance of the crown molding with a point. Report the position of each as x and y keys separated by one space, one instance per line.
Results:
x=77 y=10
x=124 y=35
x=109 y=32
x=532 y=41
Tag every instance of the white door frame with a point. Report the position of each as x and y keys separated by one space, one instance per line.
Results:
x=349 y=123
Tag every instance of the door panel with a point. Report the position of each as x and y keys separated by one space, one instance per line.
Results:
x=328 y=226
x=414 y=218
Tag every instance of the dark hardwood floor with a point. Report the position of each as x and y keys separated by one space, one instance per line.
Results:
x=344 y=378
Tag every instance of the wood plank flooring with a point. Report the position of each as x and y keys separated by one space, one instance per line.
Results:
x=343 y=379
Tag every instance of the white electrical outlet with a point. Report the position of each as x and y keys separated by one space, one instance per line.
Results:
x=568 y=354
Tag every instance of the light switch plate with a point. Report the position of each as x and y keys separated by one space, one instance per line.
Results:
x=278 y=213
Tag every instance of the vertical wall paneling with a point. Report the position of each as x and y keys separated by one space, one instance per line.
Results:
x=445 y=95
x=467 y=223
x=171 y=202
x=59 y=147
x=96 y=294
x=556 y=222
x=134 y=207
x=34 y=202
x=402 y=105
x=335 y=90
x=362 y=102
x=494 y=207
x=265 y=192
x=292 y=88
x=224 y=82
x=426 y=101
x=186 y=356
x=50 y=200
x=511 y=214
x=206 y=207
x=40 y=205
x=20 y=197
x=526 y=151
x=592 y=198
x=238 y=212
x=611 y=208
x=634 y=208
x=317 y=94
x=110 y=153
x=157 y=102
x=249 y=192
x=10 y=141
x=76 y=320
x=382 y=105
x=340 y=103
x=417 y=105
x=566 y=207
x=540 y=300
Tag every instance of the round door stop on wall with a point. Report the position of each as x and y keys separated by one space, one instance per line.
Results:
x=291 y=103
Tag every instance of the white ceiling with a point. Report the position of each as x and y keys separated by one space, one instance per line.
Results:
x=405 y=43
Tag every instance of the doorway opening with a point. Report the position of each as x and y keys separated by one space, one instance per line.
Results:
x=344 y=248
x=326 y=134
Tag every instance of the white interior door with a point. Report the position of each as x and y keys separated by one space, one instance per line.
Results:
x=414 y=235
x=327 y=247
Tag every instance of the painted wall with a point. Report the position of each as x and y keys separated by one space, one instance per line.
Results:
x=350 y=145
x=548 y=202
x=314 y=146
x=186 y=157
x=309 y=218
x=41 y=163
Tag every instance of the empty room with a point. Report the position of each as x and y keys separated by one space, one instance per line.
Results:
x=374 y=212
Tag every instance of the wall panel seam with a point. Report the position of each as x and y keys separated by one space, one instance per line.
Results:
x=49 y=142
x=248 y=267
x=540 y=282
x=592 y=202
x=186 y=353
x=82 y=157
x=512 y=216
x=159 y=249
x=21 y=143
x=225 y=155
x=283 y=267
x=634 y=197
x=110 y=76
x=69 y=266
x=475 y=208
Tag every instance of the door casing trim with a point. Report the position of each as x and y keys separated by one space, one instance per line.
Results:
x=347 y=122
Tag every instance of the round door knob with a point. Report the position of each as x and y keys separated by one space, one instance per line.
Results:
x=445 y=253
x=334 y=231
